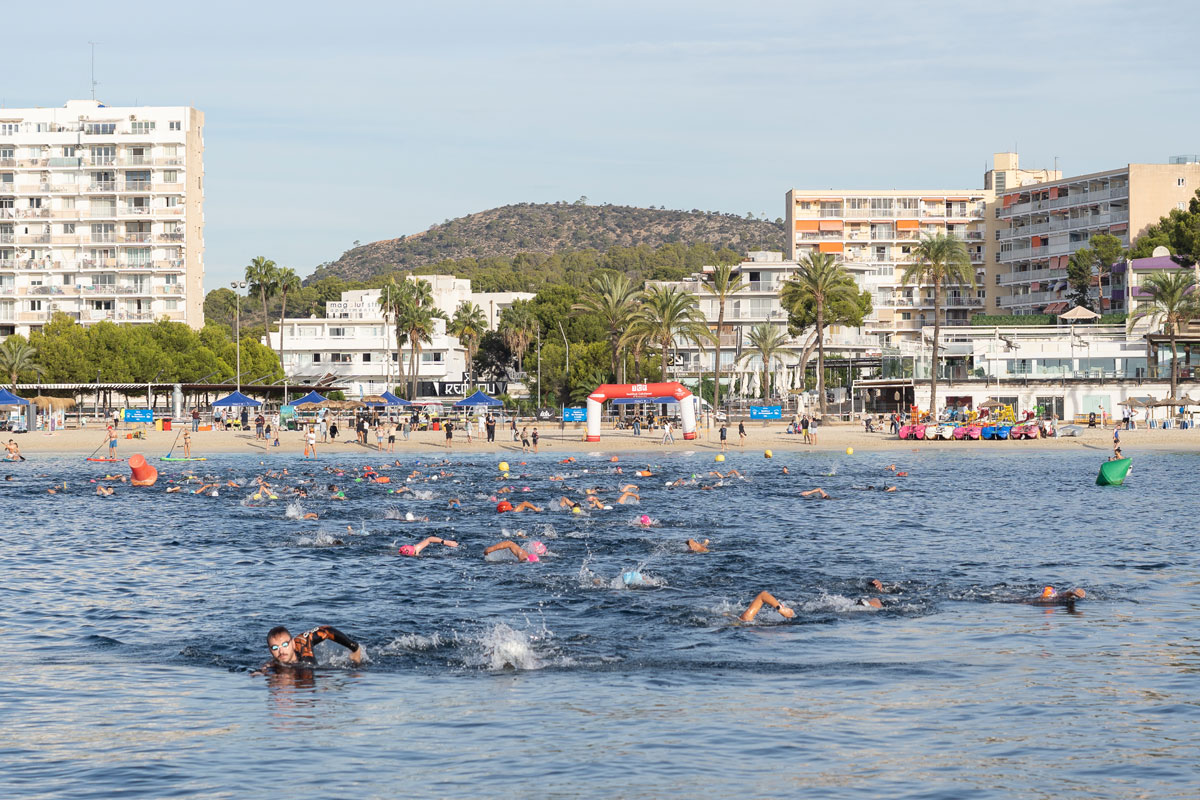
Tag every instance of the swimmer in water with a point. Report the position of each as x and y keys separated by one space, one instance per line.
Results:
x=289 y=651
x=818 y=492
x=870 y=602
x=104 y=491
x=697 y=547
x=626 y=496
x=414 y=550
x=785 y=471
x=455 y=503
x=765 y=598
x=535 y=549
x=525 y=505
x=595 y=502
x=1051 y=597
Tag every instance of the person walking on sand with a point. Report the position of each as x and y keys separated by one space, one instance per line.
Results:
x=535 y=439
x=667 y=433
x=741 y=434
x=524 y=438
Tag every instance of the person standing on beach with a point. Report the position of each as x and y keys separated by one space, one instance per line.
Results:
x=812 y=430
x=195 y=420
x=637 y=424
x=310 y=442
x=324 y=429
x=535 y=439
x=524 y=437
x=724 y=437
x=741 y=434
x=490 y=425
x=804 y=423
x=467 y=425
x=667 y=432
x=449 y=426
x=512 y=426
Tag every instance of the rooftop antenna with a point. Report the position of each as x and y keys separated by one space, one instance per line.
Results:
x=93 y=44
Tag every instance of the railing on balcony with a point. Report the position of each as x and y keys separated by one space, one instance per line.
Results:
x=136 y=186
x=102 y=186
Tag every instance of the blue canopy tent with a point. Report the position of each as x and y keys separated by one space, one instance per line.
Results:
x=7 y=398
x=389 y=400
x=236 y=399
x=478 y=399
x=311 y=397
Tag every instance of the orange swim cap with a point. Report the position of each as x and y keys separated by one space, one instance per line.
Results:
x=1048 y=592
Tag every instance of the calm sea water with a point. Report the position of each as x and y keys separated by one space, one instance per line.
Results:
x=131 y=625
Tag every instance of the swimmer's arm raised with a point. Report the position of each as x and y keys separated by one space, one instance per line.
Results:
x=327 y=632
x=768 y=599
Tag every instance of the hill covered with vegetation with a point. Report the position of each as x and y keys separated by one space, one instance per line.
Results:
x=552 y=229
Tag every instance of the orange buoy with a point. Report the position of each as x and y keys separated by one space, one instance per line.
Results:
x=614 y=459
x=143 y=473
x=383 y=479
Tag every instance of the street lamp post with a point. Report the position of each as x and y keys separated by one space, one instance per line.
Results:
x=236 y=286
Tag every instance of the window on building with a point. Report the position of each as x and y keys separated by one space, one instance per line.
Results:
x=171 y=176
x=141 y=127
x=432 y=358
x=8 y=128
x=68 y=227
x=35 y=305
x=341 y=358
x=172 y=202
x=175 y=125
x=316 y=358
x=1001 y=181
x=100 y=128
x=171 y=305
x=366 y=358
x=905 y=315
x=1181 y=181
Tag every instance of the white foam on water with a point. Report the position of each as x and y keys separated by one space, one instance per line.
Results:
x=321 y=539
x=414 y=641
x=501 y=647
x=832 y=602
x=422 y=494
x=294 y=510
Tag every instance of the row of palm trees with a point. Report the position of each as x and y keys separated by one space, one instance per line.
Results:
x=267 y=279
x=663 y=315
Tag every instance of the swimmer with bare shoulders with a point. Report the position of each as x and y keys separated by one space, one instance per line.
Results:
x=525 y=505
x=765 y=598
x=536 y=549
x=697 y=547
x=626 y=496
x=818 y=492
x=413 y=550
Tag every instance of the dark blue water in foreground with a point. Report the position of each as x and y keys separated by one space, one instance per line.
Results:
x=130 y=625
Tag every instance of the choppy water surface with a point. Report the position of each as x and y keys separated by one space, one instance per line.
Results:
x=131 y=625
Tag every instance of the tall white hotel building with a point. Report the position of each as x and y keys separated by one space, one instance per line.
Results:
x=101 y=214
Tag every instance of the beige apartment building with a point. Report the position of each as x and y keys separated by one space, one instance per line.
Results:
x=101 y=214
x=872 y=234
x=1038 y=226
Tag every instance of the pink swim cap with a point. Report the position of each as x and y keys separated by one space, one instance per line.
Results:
x=533 y=557
x=407 y=550
x=645 y=520
x=538 y=548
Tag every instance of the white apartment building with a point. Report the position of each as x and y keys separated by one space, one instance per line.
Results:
x=764 y=274
x=1039 y=226
x=101 y=214
x=357 y=344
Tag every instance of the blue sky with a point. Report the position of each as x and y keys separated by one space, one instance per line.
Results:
x=328 y=123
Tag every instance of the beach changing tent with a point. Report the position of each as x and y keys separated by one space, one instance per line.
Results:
x=235 y=400
x=478 y=399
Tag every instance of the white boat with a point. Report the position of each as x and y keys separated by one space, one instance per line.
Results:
x=945 y=431
x=931 y=432
x=1070 y=430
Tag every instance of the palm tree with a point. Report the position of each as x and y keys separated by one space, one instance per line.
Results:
x=469 y=325
x=612 y=298
x=722 y=282
x=261 y=274
x=767 y=341
x=666 y=313
x=418 y=323
x=819 y=279
x=393 y=301
x=17 y=358
x=938 y=260
x=1173 y=302
x=702 y=336
x=518 y=326
x=286 y=280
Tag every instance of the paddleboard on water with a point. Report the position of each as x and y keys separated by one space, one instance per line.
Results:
x=106 y=459
x=181 y=458
x=1112 y=473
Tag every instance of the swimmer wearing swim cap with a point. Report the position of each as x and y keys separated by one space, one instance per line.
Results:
x=644 y=520
x=536 y=549
x=413 y=550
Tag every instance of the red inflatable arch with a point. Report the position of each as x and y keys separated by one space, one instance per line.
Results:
x=644 y=391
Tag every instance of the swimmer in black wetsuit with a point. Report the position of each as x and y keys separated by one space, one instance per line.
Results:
x=297 y=651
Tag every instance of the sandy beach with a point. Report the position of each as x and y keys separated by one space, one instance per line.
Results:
x=832 y=437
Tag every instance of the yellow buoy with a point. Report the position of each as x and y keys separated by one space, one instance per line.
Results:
x=849 y=451
x=719 y=457
x=768 y=454
x=504 y=466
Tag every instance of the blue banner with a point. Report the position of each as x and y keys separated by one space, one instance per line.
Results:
x=766 y=412
x=138 y=415
x=575 y=414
